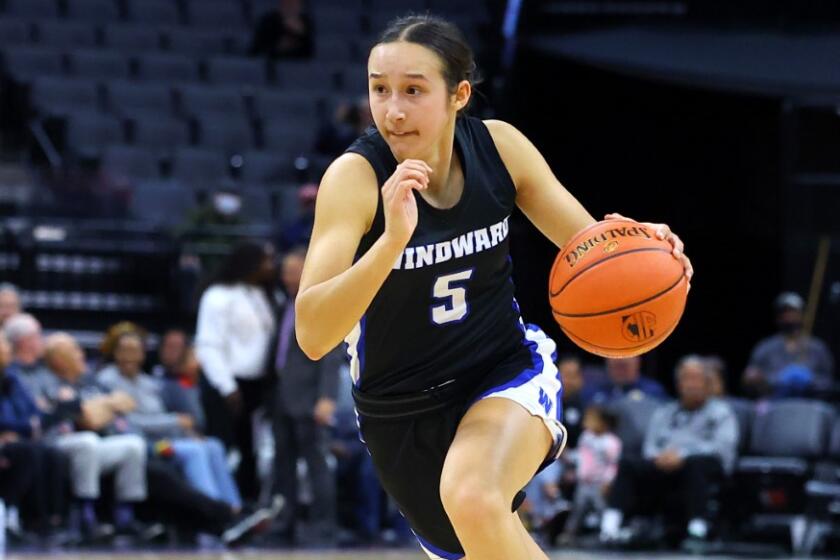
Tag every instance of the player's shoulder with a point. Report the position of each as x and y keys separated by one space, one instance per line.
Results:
x=503 y=132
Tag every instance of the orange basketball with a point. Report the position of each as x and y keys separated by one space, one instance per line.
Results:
x=616 y=290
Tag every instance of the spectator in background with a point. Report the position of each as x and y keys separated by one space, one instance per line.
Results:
x=571 y=375
x=109 y=341
x=299 y=232
x=171 y=351
x=9 y=302
x=34 y=475
x=285 y=32
x=349 y=121
x=304 y=409
x=236 y=324
x=624 y=378
x=96 y=447
x=598 y=452
x=717 y=376
x=790 y=362
x=203 y=460
x=24 y=333
x=689 y=445
x=180 y=389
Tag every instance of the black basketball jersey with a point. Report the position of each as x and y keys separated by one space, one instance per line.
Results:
x=447 y=309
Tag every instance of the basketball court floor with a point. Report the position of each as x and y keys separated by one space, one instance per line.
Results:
x=315 y=555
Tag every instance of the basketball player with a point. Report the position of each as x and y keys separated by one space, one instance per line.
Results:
x=458 y=399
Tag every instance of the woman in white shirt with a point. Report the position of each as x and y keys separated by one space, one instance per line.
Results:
x=235 y=327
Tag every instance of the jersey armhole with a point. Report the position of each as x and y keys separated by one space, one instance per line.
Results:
x=496 y=153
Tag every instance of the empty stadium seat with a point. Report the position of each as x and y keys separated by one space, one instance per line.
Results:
x=131 y=99
x=288 y=135
x=61 y=96
x=199 y=168
x=215 y=13
x=13 y=31
x=202 y=100
x=266 y=168
x=24 y=64
x=305 y=76
x=130 y=162
x=32 y=9
x=98 y=65
x=164 y=12
x=170 y=68
x=230 y=134
x=354 y=80
x=236 y=70
x=196 y=42
x=88 y=134
x=273 y=103
x=56 y=33
x=161 y=202
x=131 y=37
x=97 y=11
x=779 y=445
x=160 y=133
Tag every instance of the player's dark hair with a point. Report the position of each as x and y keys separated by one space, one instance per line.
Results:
x=441 y=37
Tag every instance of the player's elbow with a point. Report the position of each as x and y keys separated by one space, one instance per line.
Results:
x=307 y=333
x=310 y=347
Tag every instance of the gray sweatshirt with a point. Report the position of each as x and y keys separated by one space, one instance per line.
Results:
x=710 y=430
x=150 y=417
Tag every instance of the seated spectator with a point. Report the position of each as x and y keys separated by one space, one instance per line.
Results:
x=24 y=333
x=202 y=460
x=791 y=362
x=624 y=378
x=173 y=345
x=284 y=33
x=689 y=445
x=9 y=302
x=106 y=347
x=180 y=388
x=598 y=452
x=89 y=435
x=32 y=474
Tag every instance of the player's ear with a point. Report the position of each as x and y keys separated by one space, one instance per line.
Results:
x=462 y=95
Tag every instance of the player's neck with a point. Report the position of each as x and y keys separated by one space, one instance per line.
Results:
x=446 y=181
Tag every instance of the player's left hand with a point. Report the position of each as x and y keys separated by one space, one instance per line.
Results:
x=663 y=231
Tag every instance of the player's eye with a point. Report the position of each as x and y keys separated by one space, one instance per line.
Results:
x=378 y=88
x=412 y=90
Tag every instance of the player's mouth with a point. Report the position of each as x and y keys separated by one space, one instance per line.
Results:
x=401 y=134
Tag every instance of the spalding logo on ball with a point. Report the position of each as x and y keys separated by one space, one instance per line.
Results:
x=616 y=290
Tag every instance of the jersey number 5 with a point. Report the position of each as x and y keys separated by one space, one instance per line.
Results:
x=454 y=306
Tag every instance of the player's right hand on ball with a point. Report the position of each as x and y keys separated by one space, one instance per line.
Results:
x=400 y=207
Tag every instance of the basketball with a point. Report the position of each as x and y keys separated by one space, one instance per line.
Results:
x=616 y=290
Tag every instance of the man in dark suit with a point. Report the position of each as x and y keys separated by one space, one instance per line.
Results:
x=304 y=409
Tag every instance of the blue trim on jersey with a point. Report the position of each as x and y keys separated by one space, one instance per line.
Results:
x=525 y=376
x=439 y=551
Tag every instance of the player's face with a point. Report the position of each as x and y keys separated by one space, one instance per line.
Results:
x=409 y=99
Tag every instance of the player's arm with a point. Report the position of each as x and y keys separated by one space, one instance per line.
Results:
x=335 y=292
x=549 y=206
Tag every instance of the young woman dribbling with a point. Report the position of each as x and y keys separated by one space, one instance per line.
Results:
x=458 y=399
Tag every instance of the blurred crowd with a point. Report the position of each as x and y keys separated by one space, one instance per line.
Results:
x=228 y=432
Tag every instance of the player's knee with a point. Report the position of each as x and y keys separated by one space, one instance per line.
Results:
x=472 y=501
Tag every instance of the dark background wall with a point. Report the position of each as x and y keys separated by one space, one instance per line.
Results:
x=705 y=162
